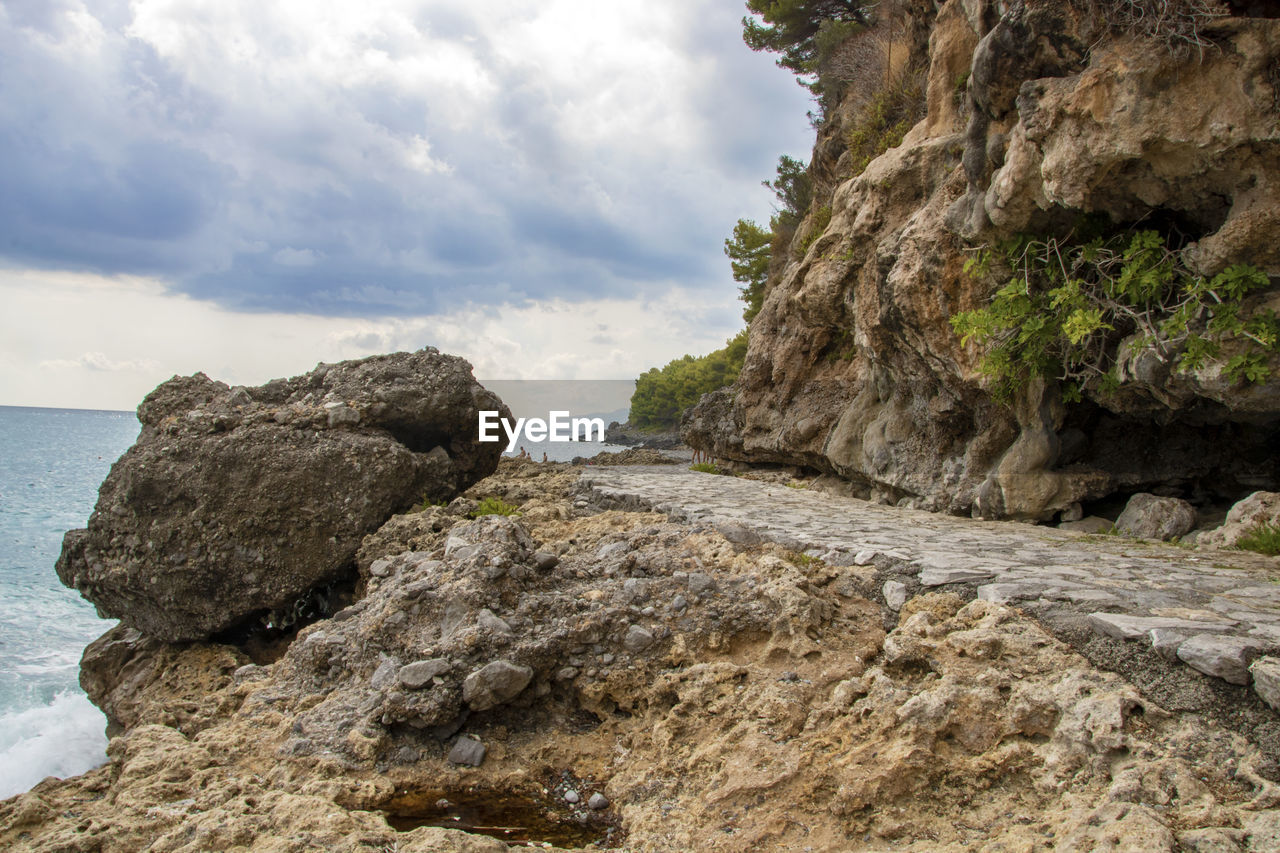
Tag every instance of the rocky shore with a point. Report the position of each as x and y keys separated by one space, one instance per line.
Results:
x=629 y=436
x=590 y=672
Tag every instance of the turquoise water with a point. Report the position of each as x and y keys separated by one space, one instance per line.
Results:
x=51 y=464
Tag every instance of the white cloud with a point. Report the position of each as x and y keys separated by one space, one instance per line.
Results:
x=86 y=341
x=291 y=257
x=542 y=186
x=101 y=362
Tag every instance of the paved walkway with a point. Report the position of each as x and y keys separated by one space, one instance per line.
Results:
x=1216 y=611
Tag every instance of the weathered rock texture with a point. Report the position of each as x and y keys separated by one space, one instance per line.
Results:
x=853 y=367
x=236 y=502
x=1259 y=510
x=774 y=706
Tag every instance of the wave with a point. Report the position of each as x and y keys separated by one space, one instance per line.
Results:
x=65 y=737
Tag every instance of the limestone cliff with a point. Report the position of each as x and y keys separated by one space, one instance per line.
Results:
x=1034 y=115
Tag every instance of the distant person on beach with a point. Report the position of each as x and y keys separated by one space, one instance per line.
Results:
x=544 y=456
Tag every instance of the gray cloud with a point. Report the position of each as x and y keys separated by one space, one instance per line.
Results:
x=438 y=166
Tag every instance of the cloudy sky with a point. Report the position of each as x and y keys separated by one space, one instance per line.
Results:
x=249 y=187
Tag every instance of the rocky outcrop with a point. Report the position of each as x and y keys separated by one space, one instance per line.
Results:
x=244 y=503
x=630 y=436
x=1037 y=113
x=615 y=678
x=1259 y=510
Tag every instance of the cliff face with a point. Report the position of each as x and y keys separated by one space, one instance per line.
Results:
x=1036 y=114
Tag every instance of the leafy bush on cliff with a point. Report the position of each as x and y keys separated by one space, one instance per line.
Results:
x=1067 y=307
x=661 y=396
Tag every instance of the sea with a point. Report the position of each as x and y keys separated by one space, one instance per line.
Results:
x=51 y=464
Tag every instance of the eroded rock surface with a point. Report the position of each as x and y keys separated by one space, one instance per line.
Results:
x=773 y=706
x=1037 y=114
x=236 y=502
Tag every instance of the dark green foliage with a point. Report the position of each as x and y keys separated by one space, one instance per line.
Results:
x=792 y=28
x=801 y=560
x=494 y=506
x=749 y=250
x=794 y=190
x=661 y=396
x=1067 y=305
x=1263 y=539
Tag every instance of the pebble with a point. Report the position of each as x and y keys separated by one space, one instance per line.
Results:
x=487 y=621
x=467 y=750
x=895 y=594
x=700 y=582
x=637 y=639
x=572 y=797
x=598 y=801
x=420 y=673
x=495 y=683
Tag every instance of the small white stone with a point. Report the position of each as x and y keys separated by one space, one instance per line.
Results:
x=1266 y=680
x=895 y=594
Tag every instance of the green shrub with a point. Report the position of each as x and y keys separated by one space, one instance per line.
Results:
x=821 y=219
x=1067 y=305
x=885 y=119
x=1263 y=539
x=426 y=503
x=494 y=506
x=803 y=560
x=711 y=468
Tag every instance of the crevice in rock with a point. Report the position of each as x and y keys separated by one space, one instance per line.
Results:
x=266 y=634
x=1253 y=8
x=1207 y=464
x=417 y=437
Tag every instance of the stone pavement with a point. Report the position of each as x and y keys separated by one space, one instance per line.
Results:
x=1217 y=611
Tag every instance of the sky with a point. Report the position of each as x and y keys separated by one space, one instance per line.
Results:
x=251 y=187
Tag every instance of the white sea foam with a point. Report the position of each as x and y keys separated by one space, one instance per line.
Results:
x=63 y=738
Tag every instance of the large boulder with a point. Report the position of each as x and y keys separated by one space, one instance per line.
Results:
x=1148 y=516
x=238 y=502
